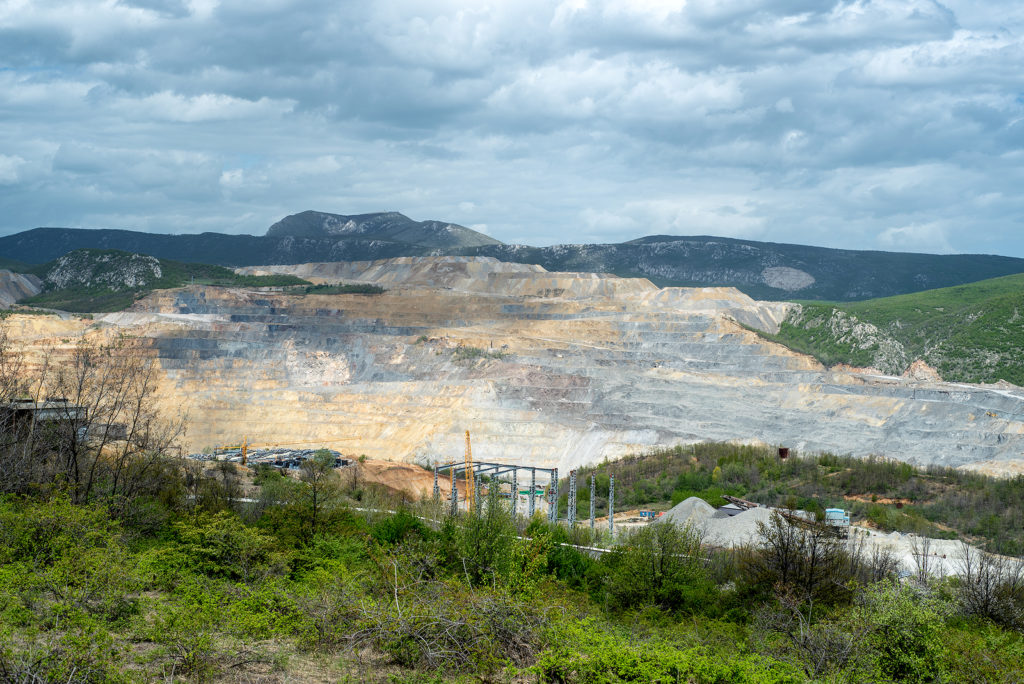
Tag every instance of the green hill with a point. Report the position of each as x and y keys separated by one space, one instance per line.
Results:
x=12 y=265
x=98 y=280
x=969 y=333
x=763 y=270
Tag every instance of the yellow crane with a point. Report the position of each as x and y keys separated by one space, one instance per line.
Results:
x=242 y=449
x=470 y=477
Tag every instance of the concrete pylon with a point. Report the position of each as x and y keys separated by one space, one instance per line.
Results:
x=455 y=494
x=533 y=491
x=611 y=505
x=593 y=497
x=515 y=491
x=571 y=513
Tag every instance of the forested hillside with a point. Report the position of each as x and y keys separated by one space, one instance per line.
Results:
x=968 y=333
x=763 y=270
x=94 y=280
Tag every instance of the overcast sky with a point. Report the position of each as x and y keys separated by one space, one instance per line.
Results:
x=889 y=124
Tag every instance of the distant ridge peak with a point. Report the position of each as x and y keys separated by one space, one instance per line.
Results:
x=386 y=225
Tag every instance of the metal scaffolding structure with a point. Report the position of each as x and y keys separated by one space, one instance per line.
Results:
x=496 y=471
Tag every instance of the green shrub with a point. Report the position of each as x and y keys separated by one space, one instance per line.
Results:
x=222 y=545
x=906 y=632
x=587 y=652
x=399 y=527
x=661 y=564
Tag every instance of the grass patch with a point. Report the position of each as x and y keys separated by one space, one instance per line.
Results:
x=969 y=333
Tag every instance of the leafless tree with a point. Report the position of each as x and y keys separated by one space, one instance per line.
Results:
x=868 y=563
x=102 y=436
x=803 y=556
x=921 y=549
x=991 y=586
x=819 y=647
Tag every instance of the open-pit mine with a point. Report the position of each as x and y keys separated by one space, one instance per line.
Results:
x=545 y=369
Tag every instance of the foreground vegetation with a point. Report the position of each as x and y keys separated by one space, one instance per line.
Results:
x=119 y=563
x=969 y=333
x=205 y=591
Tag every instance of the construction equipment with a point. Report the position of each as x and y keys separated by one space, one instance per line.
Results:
x=470 y=477
x=742 y=503
x=243 y=448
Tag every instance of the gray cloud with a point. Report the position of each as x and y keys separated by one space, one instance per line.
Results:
x=873 y=124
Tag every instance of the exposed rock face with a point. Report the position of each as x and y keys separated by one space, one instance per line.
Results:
x=887 y=353
x=17 y=286
x=922 y=372
x=785 y=278
x=543 y=368
x=115 y=270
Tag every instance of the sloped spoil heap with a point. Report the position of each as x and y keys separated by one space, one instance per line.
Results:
x=544 y=368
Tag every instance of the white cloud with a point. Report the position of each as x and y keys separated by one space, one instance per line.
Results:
x=928 y=237
x=169 y=106
x=857 y=123
x=9 y=167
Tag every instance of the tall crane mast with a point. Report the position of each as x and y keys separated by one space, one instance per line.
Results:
x=470 y=477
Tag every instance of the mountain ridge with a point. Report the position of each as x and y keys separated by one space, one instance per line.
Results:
x=389 y=225
x=763 y=270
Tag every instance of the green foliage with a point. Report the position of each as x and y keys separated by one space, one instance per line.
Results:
x=399 y=527
x=975 y=651
x=222 y=545
x=466 y=353
x=587 y=651
x=15 y=266
x=352 y=288
x=482 y=546
x=906 y=632
x=969 y=333
x=92 y=298
x=661 y=564
x=213 y=597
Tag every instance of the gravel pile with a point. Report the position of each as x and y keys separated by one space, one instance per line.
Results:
x=695 y=511
x=742 y=529
x=739 y=529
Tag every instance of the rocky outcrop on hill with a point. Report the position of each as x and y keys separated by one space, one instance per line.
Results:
x=111 y=270
x=390 y=226
x=551 y=369
x=841 y=328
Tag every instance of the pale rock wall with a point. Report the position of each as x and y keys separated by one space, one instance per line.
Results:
x=580 y=369
x=17 y=286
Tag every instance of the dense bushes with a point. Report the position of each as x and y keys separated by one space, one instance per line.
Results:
x=226 y=590
x=84 y=599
